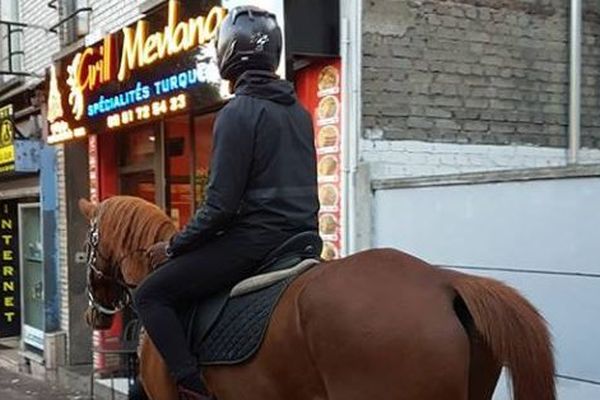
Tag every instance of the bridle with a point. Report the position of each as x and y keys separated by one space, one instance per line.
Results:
x=93 y=254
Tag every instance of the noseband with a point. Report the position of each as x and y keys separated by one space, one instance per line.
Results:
x=114 y=276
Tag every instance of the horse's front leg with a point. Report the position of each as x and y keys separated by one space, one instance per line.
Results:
x=156 y=380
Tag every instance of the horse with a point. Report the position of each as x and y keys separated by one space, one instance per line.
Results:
x=379 y=324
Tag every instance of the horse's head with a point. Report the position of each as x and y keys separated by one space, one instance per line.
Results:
x=121 y=229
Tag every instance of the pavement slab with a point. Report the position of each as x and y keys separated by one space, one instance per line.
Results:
x=22 y=387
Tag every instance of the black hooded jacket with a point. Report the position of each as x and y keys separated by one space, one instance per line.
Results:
x=263 y=174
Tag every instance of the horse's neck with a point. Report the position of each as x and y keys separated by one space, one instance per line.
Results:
x=160 y=231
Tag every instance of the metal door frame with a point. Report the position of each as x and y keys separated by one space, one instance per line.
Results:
x=20 y=207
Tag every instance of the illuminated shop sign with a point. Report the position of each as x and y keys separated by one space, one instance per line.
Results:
x=140 y=73
x=147 y=111
x=142 y=92
x=10 y=323
x=140 y=49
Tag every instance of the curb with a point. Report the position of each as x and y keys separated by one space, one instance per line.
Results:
x=78 y=378
x=9 y=364
x=9 y=358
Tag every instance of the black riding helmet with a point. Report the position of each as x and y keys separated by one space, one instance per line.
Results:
x=249 y=38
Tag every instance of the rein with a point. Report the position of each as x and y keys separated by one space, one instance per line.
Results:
x=93 y=254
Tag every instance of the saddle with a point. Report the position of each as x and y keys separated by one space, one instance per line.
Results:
x=229 y=327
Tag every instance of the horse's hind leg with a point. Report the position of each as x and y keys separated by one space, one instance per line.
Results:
x=441 y=378
x=414 y=348
x=484 y=370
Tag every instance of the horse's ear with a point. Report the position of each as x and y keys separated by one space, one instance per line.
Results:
x=87 y=208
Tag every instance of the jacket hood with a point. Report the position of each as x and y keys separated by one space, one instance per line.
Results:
x=265 y=85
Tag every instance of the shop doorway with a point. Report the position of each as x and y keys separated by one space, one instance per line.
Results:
x=139 y=164
x=188 y=146
x=166 y=163
x=32 y=275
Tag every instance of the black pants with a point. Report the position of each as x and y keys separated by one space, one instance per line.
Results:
x=213 y=267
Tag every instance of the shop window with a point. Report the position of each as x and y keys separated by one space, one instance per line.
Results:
x=203 y=127
x=188 y=154
x=179 y=153
x=74 y=18
x=138 y=164
x=167 y=166
x=11 y=48
x=137 y=148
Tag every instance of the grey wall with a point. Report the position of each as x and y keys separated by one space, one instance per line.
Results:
x=77 y=186
x=476 y=71
x=539 y=236
x=39 y=46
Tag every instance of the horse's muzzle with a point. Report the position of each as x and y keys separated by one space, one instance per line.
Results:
x=97 y=319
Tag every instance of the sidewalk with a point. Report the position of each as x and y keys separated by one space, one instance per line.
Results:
x=14 y=386
x=75 y=378
x=9 y=355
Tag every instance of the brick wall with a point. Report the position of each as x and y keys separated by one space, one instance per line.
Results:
x=112 y=15
x=61 y=224
x=475 y=72
x=39 y=46
x=412 y=158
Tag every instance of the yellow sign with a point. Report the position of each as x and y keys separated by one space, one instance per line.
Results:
x=7 y=148
x=10 y=324
x=7 y=154
x=6 y=127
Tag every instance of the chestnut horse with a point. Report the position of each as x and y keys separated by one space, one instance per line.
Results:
x=380 y=324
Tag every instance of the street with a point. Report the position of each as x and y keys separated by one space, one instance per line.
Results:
x=19 y=387
x=452 y=148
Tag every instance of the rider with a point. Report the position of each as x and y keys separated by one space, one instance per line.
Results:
x=261 y=191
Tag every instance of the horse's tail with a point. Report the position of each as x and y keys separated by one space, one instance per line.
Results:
x=515 y=333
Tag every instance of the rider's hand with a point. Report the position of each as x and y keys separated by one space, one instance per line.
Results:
x=157 y=253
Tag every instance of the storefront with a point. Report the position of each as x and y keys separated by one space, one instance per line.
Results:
x=143 y=101
x=27 y=279
x=21 y=303
x=147 y=114
x=146 y=99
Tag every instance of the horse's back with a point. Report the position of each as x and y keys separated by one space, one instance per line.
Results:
x=378 y=324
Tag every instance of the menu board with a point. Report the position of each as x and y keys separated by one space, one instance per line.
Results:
x=319 y=89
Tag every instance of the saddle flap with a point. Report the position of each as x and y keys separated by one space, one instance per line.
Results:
x=229 y=327
x=203 y=315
